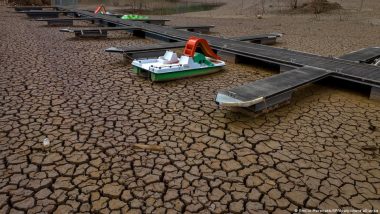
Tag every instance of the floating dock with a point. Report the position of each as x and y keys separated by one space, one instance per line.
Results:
x=303 y=67
x=97 y=31
x=64 y=21
x=365 y=55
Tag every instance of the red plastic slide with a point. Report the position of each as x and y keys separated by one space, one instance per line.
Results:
x=192 y=45
x=100 y=9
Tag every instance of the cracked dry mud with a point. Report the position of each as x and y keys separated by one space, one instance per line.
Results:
x=305 y=155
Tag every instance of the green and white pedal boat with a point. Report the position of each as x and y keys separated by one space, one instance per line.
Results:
x=170 y=67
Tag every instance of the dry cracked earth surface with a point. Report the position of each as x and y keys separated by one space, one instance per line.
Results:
x=321 y=151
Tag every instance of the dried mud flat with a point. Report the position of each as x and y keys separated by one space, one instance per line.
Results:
x=309 y=154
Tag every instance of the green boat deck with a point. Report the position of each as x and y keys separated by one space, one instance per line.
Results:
x=175 y=75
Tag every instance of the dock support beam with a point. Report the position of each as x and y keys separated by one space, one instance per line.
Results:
x=139 y=33
x=42 y=15
x=375 y=93
x=284 y=68
x=144 y=54
x=229 y=57
x=110 y=24
x=273 y=102
x=27 y=8
x=199 y=30
x=60 y=22
x=92 y=34
x=159 y=37
x=266 y=41
x=156 y=22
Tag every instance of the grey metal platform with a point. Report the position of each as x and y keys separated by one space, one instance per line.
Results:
x=26 y=8
x=256 y=51
x=162 y=46
x=149 y=21
x=65 y=21
x=264 y=39
x=155 y=50
x=45 y=14
x=145 y=51
x=270 y=91
x=152 y=21
x=195 y=28
x=97 y=32
x=364 y=74
x=364 y=55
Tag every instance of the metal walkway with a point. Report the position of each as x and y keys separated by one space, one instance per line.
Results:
x=25 y=8
x=136 y=52
x=76 y=30
x=97 y=32
x=270 y=91
x=153 y=47
x=340 y=68
x=364 y=55
x=156 y=50
x=366 y=74
x=64 y=21
x=264 y=39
